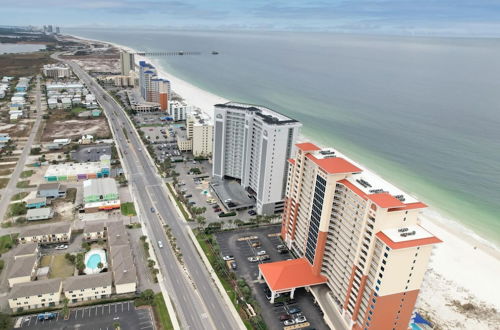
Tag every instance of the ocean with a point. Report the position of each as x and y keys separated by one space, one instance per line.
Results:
x=422 y=112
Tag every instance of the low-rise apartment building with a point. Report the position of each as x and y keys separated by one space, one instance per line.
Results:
x=25 y=250
x=22 y=269
x=122 y=261
x=37 y=294
x=94 y=231
x=88 y=287
x=56 y=233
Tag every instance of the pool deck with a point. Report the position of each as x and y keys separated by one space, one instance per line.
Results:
x=102 y=255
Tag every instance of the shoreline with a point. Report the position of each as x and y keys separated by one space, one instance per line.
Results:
x=459 y=260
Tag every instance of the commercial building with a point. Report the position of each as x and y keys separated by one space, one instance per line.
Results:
x=79 y=171
x=56 y=71
x=88 y=287
x=22 y=270
x=100 y=194
x=127 y=62
x=252 y=144
x=42 y=213
x=358 y=238
x=37 y=294
x=56 y=233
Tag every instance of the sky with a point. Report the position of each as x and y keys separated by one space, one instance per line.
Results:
x=419 y=17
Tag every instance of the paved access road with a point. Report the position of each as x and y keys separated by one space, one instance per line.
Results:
x=11 y=189
x=100 y=317
x=194 y=295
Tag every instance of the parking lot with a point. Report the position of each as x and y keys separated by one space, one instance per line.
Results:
x=95 y=318
x=243 y=244
x=91 y=153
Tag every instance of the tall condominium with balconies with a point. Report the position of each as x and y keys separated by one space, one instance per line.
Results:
x=360 y=234
x=252 y=144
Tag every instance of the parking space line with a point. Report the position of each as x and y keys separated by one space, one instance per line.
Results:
x=115 y=308
x=122 y=307
x=109 y=309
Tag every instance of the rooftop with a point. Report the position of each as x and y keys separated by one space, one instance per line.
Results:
x=23 y=266
x=400 y=238
x=40 y=212
x=35 y=288
x=94 y=226
x=49 y=186
x=102 y=186
x=289 y=274
x=25 y=249
x=87 y=281
x=53 y=229
x=333 y=164
x=268 y=115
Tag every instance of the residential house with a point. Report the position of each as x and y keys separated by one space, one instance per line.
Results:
x=43 y=213
x=36 y=203
x=51 y=190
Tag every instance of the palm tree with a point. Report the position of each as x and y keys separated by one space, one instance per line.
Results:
x=100 y=265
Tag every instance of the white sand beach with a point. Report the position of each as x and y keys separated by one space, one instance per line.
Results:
x=463 y=270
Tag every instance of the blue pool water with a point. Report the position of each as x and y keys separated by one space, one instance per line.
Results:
x=93 y=261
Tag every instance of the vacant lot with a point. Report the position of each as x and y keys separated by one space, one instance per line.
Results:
x=60 y=267
x=7 y=242
x=61 y=124
x=23 y=64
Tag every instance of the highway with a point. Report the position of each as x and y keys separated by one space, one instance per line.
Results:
x=197 y=302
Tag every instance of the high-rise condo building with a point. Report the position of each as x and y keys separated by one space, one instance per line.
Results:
x=153 y=89
x=127 y=63
x=361 y=248
x=252 y=144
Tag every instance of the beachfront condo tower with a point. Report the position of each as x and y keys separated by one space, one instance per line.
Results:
x=361 y=249
x=152 y=88
x=127 y=63
x=252 y=144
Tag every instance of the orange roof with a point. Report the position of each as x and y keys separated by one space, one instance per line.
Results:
x=409 y=206
x=291 y=161
x=334 y=165
x=289 y=274
x=407 y=244
x=385 y=200
x=353 y=188
x=307 y=146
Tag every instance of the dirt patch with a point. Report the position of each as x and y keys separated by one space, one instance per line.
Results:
x=75 y=128
x=23 y=64
x=19 y=130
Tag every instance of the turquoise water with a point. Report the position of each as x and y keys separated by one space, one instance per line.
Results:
x=422 y=112
x=93 y=261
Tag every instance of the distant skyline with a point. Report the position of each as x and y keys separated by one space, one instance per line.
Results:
x=421 y=17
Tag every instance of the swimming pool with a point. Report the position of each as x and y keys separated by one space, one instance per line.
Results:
x=92 y=260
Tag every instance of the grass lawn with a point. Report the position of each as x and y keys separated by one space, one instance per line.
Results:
x=19 y=196
x=27 y=174
x=77 y=110
x=24 y=184
x=3 y=182
x=7 y=242
x=59 y=266
x=161 y=312
x=128 y=209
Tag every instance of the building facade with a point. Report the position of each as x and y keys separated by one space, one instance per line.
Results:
x=88 y=287
x=178 y=110
x=252 y=144
x=361 y=233
x=127 y=63
x=199 y=129
x=37 y=294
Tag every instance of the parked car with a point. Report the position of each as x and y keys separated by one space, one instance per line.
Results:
x=252 y=212
x=61 y=247
x=46 y=316
x=300 y=319
x=189 y=195
x=234 y=266
x=289 y=322
x=160 y=244
x=152 y=210
x=284 y=317
x=217 y=210
x=294 y=310
x=253 y=259
x=228 y=257
x=256 y=244
x=261 y=253
x=265 y=257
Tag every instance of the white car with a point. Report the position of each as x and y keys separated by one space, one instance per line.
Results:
x=253 y=259
x=61 y=247
x=289 y=322
x=227 y=258
x=300 y=319
x=160 y=244
x=261 y=253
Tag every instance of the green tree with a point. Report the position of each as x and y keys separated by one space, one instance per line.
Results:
x=100 y=265
x=5 y=321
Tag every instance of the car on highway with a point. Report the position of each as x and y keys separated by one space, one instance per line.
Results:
x=153 y=210
x=160 y=244
x=261 y=252
x=228 y=257
x=300 y=319
x=289 y=322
